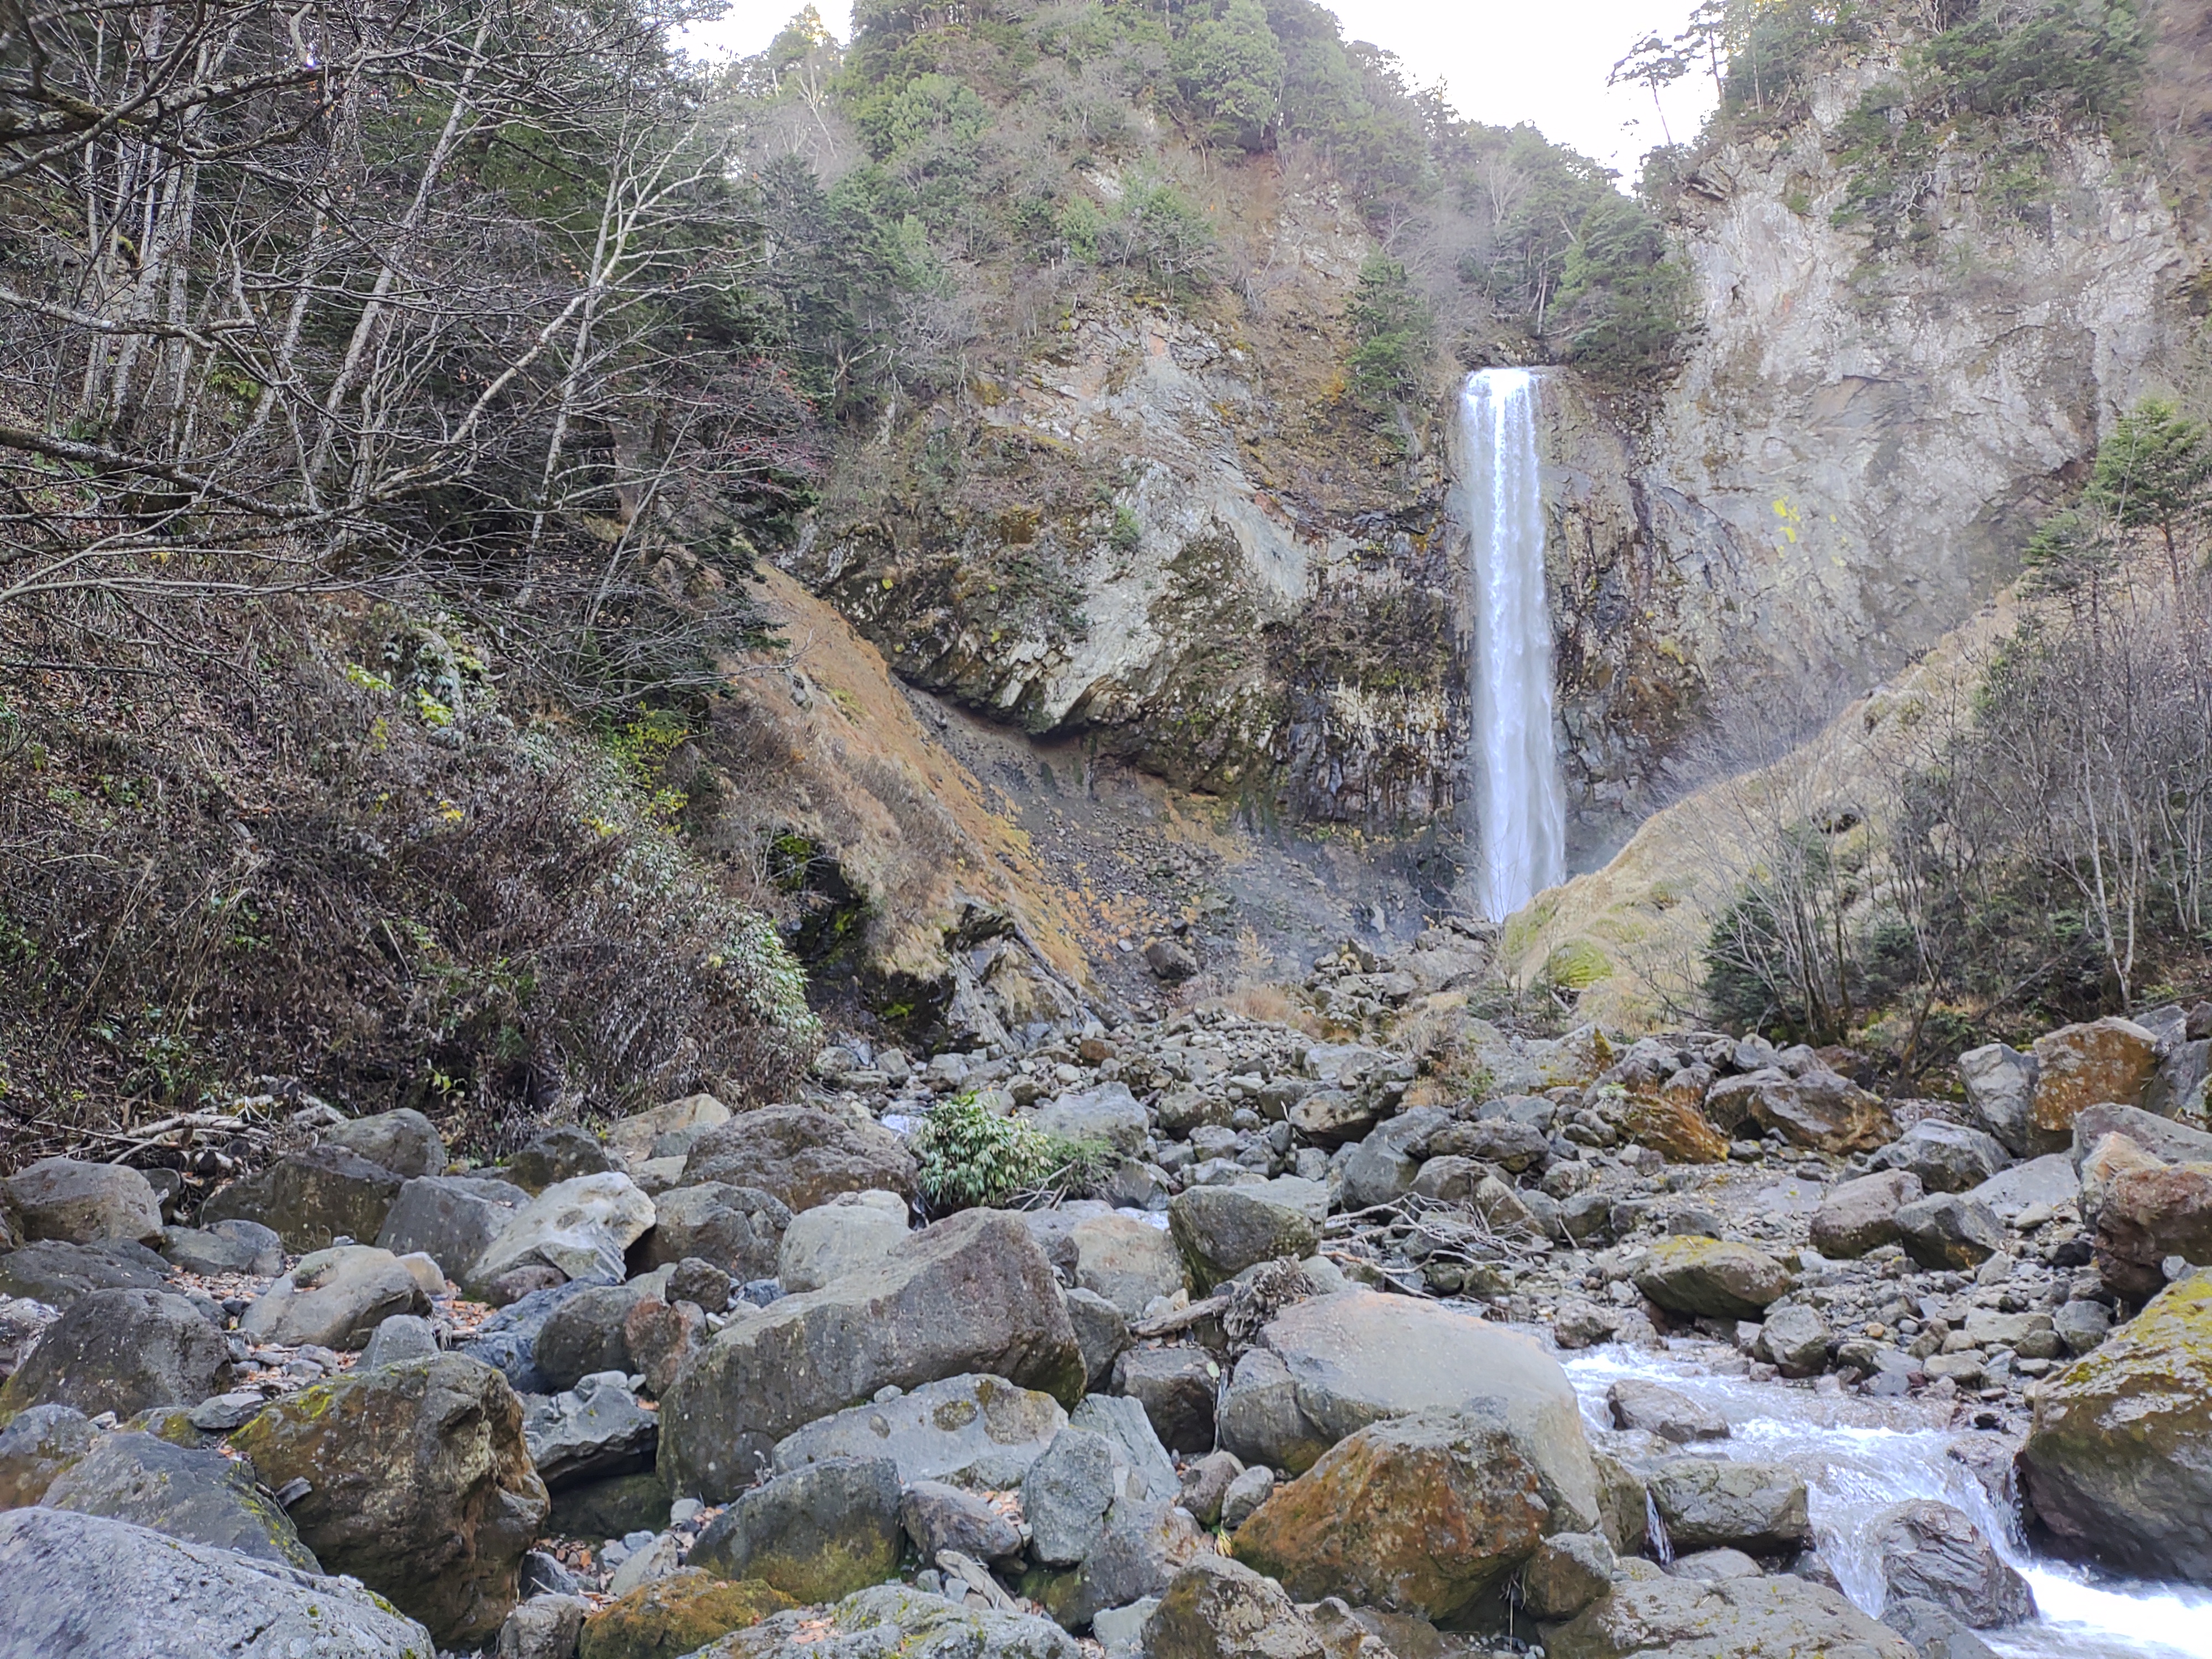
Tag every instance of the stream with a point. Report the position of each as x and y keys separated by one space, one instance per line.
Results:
x=1860 y=1455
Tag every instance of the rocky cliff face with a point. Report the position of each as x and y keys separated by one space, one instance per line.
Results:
x=1852 y=457
x=1169 y=530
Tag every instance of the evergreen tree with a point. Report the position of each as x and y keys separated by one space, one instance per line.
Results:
x=1231 y=69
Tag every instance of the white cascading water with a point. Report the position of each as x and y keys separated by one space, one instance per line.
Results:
x=1520 y=802
x=1859 y=1456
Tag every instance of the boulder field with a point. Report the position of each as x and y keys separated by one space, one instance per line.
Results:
x=1286 y=1380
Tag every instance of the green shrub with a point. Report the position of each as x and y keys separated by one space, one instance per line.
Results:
x=971 y=1158
x=1391 y=331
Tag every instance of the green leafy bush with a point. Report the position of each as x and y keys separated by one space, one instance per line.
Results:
x=971 y=1158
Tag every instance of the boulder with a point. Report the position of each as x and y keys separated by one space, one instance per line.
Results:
x=852 y=1231
x=1326 y=1368
x=592 y=1432
x=81 y=1587
x=2038 y=1183
x=311 y=1197
x=581 y=1228
x=37 y=1446
x=1216 y=1609
x=816 y=1534
x=739 y=1228
x=508 y=1341
x=1655 y=1409
x=1144 y=1542
x=1935 y=1633
x=2169 y=1142
x=334 y=1298
x=1177 y=1385
x=1127 y=1262
x=1222 y=1231
x=2179 y=1089
x=2104 y=1061
x=1206 y=1481
x=1676 y=1129
x=2142 y=1212
x=1710 y=1278
x=1948 y=1231
x=1795 y=1339
x=1245 y=1494
x=980 y=1431
x=2118 y=1462
x=1947 y=1157
x=546 y=1626
x=802 y=1155
x=2001 y=1093
x=971 y=1294
x=1107 y=1115
x=228 y=1247
x=1066 y=1492
x=667 y=1130
x=586 y=1335
x=562 y=1153
x=1330 y=1117
x=419 y=1484
x=1504 y=1143
x=404 y=1142
x=124 y=1351
x=937 y=1517
x=1568 y=1572
x=1102 y=1331
x=82 y=1203
x=23 y=1321
x=1818 y=1109
x=661 y=1338
x=1711 y=1502
x=1929 y=1552
x=1429 y=1514
x=613 y=1508
x=402 y=1336
x=683 y=1613
x=1858 y=1215
x=1776 y=1617
x=453 y=1220
x=56 y=1273
x=898 y=1620
x=182 y=1492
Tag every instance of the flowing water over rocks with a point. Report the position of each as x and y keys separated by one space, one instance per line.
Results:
x=1861 y=1456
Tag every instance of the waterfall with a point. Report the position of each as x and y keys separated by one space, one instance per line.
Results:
x=1520 y=804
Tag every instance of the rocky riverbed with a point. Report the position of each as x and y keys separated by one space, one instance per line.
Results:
x=1433 y=1338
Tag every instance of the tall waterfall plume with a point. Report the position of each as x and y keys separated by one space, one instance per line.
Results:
x=1520 y=803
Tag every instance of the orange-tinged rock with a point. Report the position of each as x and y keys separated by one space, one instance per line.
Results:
x=1676 y=1129
x=1420 y=1515
x=2078 y=1066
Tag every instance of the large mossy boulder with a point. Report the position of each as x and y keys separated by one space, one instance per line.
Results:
x=974 y=1293
x=817 y=1534
x=2118 y=1463
x=970 y=1431
x=36 y=1448
x=419 y=1484
x=677 y=1615
x=1711 y=1278
x=1222 y=1231
x=1427 y=1515
x=82 y=1586
x=1222 y=1609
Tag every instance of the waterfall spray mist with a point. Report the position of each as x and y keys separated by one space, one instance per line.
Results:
x=1520 y=803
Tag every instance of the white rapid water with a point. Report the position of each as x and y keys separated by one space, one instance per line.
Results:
x=1859 y=1456
x=1520 y=803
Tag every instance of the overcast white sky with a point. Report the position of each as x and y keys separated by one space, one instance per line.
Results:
x=1501 y=61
